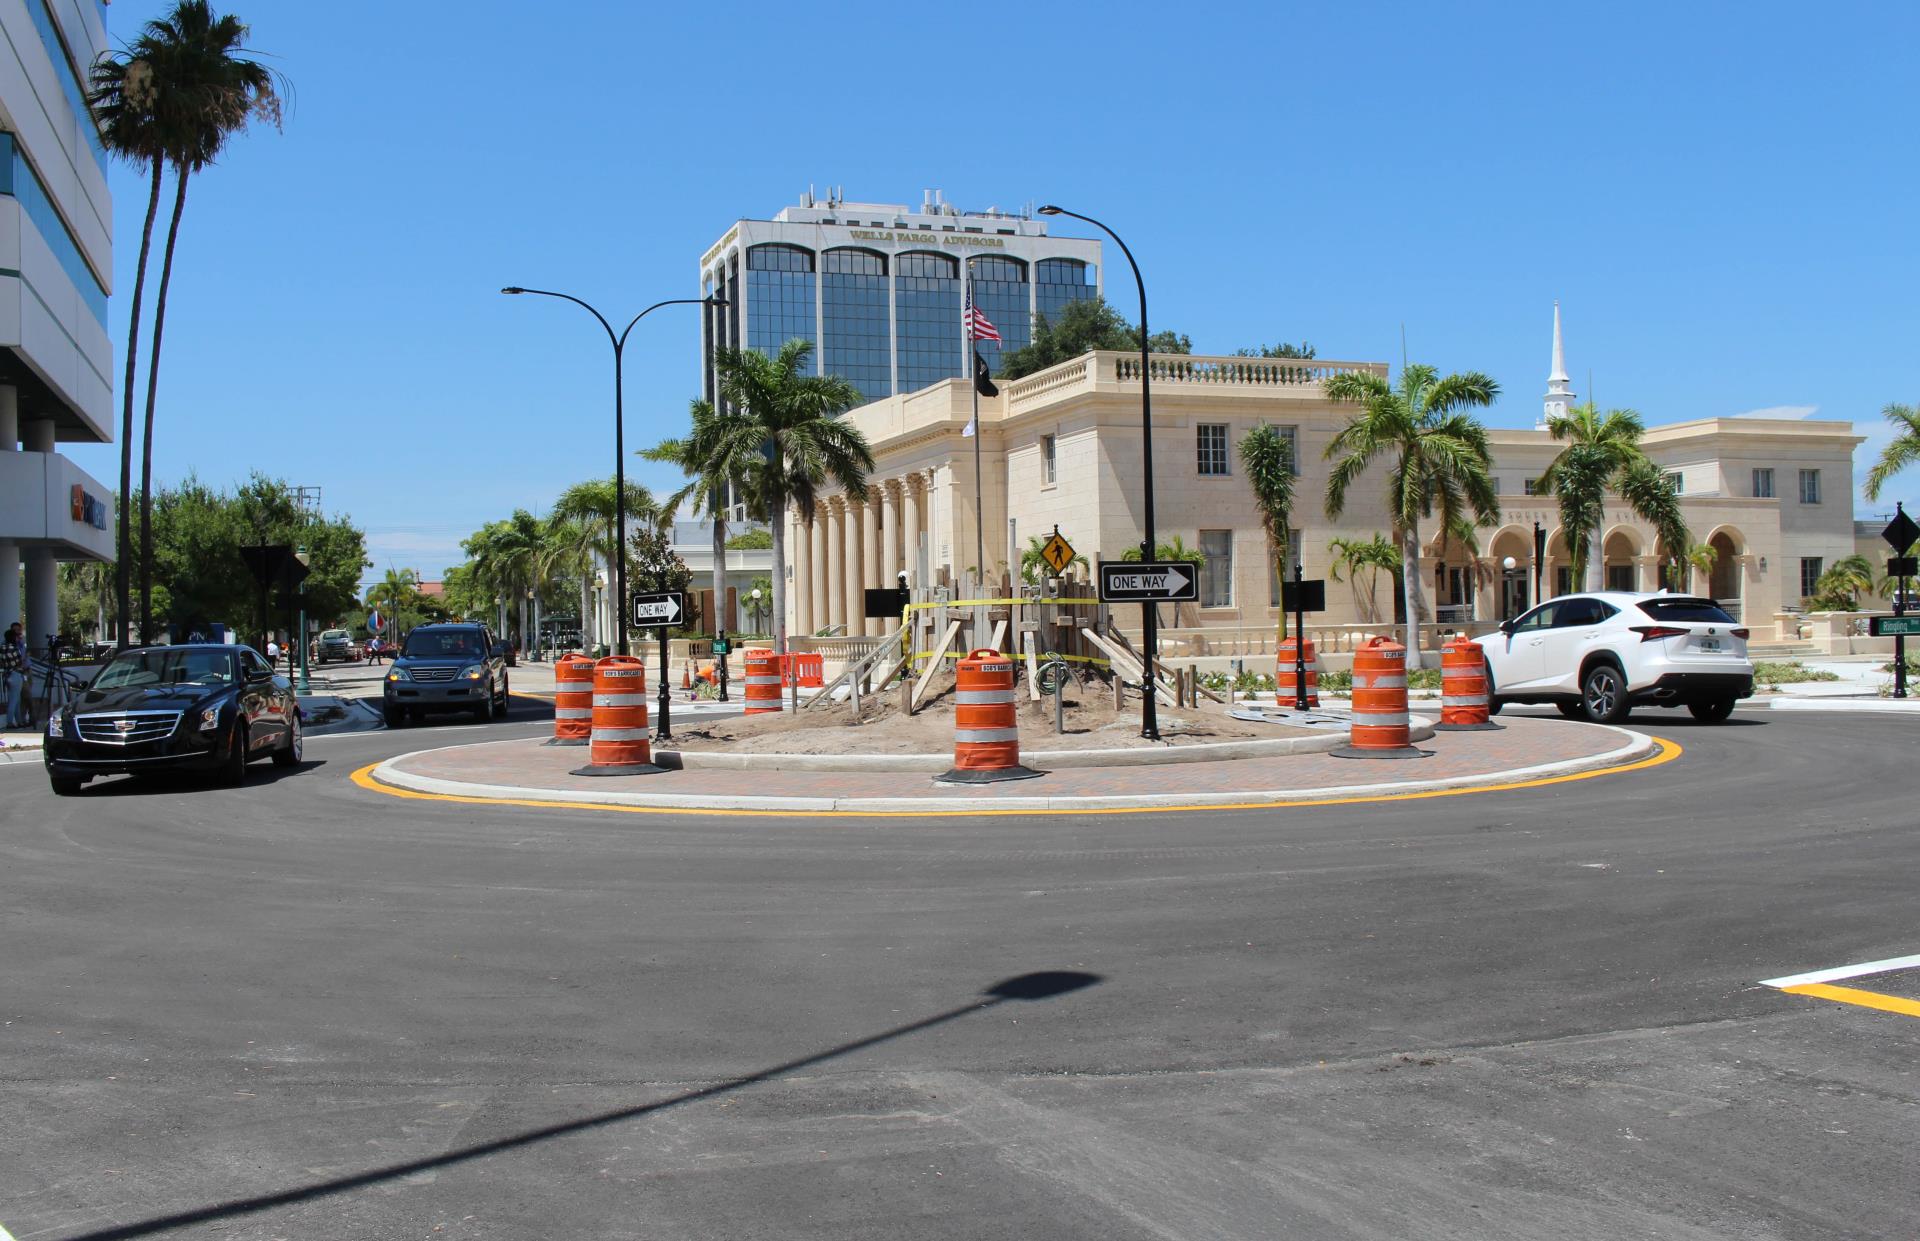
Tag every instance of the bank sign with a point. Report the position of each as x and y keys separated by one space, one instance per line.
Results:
x=88 y=508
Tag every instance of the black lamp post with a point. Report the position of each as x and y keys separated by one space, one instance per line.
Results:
x=1539 y=559
x=1150 y=612
x=619 y=344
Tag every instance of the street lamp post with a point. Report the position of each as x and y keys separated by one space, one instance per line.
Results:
x=754 y=607
x=619 y=343
x=301 y=684
x=1150 y=613
x=1539 y=559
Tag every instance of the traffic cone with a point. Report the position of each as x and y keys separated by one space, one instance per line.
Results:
x=686 y=675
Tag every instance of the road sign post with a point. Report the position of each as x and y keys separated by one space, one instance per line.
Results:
x=1303 y=597
x=660 y=611
x=1900 y=535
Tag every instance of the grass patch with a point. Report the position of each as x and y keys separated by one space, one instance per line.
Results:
x=1789 y=672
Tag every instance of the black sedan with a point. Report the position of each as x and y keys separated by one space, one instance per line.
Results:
x=198 y=707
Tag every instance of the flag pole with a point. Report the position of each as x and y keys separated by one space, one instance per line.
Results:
x=979 y=494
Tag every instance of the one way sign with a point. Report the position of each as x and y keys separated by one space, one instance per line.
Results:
x=1173 y=582
x=658 y=611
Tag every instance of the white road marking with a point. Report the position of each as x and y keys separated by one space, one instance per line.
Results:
x=4 y=1234
x=1844 y=971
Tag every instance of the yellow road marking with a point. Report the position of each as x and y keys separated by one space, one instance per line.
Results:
x=1853 y=995
x=1669 y=750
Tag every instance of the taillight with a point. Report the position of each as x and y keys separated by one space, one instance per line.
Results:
x=1741 y=634
x=1649 y=632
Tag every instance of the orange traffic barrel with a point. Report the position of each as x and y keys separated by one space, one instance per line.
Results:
x=1381 y=726
x=620 y=744
x=986 y=734
x=763 y=681
x=1286 y=693
x=572 y=699
x=1464 y=700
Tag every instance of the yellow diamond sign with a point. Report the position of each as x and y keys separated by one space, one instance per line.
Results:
x=1058 y=552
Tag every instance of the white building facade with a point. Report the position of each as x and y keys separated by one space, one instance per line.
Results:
x=56 y=265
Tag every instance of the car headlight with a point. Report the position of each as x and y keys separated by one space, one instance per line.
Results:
x=54 y=727
x=399 y=674
x=209 y=719
x=471 y=672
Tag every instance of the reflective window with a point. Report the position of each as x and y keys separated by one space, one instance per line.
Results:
x=1810 y=569
x=1809 y=486
x=1048 y=459
x=853 y=311
x=780 y=299
x=1579 y=613
x=926 y=289
x=1001 y=291
x=1540 y=618
x=18 y=179
x=1059 y=282
x=1216 y=576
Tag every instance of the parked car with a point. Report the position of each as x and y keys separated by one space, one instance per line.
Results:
x=1597 y=656
x=334 y=644
x=446 y=667
x=199 y=707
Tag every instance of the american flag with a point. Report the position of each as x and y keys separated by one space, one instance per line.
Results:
x=979 y=327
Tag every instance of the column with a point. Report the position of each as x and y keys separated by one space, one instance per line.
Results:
x=890 y=560
x=801 y=544
x=816 y=586
x=870 y=558
x=1647 y=571
x=850 y=536
x=910 y=497
x=836 y=563
x=9 y=553
x=1489 y=582
x=43 y=599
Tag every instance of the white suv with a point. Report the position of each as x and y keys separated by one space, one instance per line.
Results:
x=1596 y=656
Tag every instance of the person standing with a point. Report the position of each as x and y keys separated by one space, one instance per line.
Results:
x=273 y=652
x=13 y=674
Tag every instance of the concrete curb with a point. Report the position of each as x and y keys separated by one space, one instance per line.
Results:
x=1890 y=706
x=1052 y=760
x=1634 y=746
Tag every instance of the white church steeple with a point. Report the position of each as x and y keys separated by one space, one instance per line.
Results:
x=1559 y=399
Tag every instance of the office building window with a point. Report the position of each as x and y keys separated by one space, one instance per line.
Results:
x=780 y=299
x=926 y=289
x=1283 y=567
x=1532 y=486
x=1809 y=486
x=1810 y=567
x=1292 y=436
x=1000 y=289
x=1763 y=484
x=1058 y=283
x=853 y=297
x=1213 y=449
x=19 y=181
x=1216 y=576
x=1047 y=460
x=1675 y=482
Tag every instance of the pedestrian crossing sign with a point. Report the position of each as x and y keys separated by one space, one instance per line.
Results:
x=1057 y=552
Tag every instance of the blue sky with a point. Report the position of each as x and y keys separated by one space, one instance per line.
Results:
x=1719 y=195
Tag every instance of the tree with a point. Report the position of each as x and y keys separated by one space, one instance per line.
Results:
x=790 y=421
x=1896 y=456
x=750 y=541
x=191 y=94
x=716 y=458
x=397 y=595
x=1281 y=350
x=507 y=561
x=1603 y=454
x=656 y=567
x=1368 y=556
x=1268 y=458
x=591 y=507
x=572 y=545
x=1440 y=462
x=757 y=608
x=1084 y=325
x=1840 y=587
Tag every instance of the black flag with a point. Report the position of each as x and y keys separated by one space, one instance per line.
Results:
x=982 y=381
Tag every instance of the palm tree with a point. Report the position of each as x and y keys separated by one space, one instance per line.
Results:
x=397 y=593
x=710 y=455
x=591 y=506
x=192 y=94
x=1369 y=556
x=1840 y=587
x=791 y=421
x=1268 y=456
x=1603 y=454
x=1440 y=461
x=1898 y=455
x=571 y=547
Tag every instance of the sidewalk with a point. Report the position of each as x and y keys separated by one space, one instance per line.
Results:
x=1526 y=749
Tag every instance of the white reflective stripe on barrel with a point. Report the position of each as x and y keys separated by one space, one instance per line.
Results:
x=621 y=700
x=573 y=713
x=763 y=680
x=1463 y=700
x=1379 y=719
x=621 y=734
x=980 y=735
x=1380 y=682
x=982 y=697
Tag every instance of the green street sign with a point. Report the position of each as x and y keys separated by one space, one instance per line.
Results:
x=1894 y=626
x=721 y=646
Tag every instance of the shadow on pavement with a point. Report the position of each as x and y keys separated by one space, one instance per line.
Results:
x=1044 y=985
x=169 y=783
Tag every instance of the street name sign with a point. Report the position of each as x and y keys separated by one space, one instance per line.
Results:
x=1172 y=582
x=1901 y=531
x=1894 y=626
x=658 y=611
x=1057 y=552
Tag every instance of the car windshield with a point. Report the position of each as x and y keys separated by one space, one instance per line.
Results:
x=163 y=667
x=1685 y=610
x=334 y=635
x=444 y=644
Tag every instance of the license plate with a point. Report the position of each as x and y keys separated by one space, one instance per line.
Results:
x=1709 y=644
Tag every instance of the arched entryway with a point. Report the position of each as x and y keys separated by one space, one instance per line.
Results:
x=1620 y=552
x=1514 y=585
x=1725 y=581
x=1452 y=572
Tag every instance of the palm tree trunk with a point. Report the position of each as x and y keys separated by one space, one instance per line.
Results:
x=720 y=619
x=586 y=604
x=153 y=384
x=1413 y=591
x=1596 y=574
x=777 y=512
x=122 y=569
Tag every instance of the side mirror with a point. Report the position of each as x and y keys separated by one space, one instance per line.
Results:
x=257 y=676
x=1506 y=627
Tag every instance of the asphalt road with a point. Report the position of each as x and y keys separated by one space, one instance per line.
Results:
x=300 y=1009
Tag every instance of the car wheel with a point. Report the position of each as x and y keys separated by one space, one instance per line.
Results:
x=506 y=691
x=1493 y=700
x=233 y=772
x=1603 y=695
x=66 y=786
x=1572 y=710
x=394 y=716
x=1711 y=710
x=484 y=712
x=290 y=754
